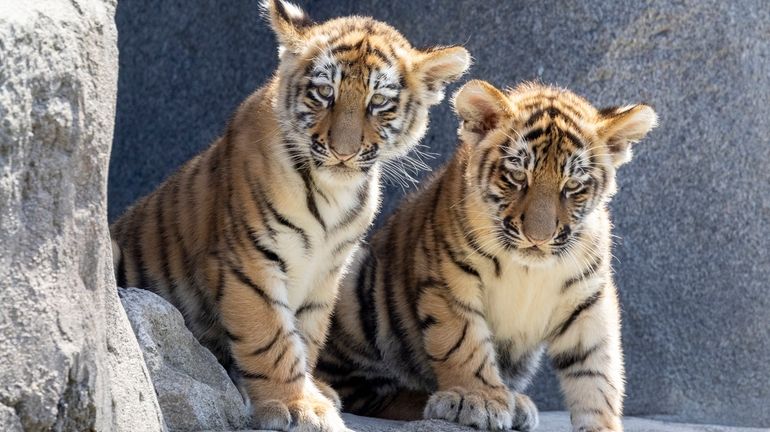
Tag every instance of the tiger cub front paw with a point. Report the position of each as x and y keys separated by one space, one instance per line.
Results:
x=311 y=413
x=526 y=416
x=475 y=408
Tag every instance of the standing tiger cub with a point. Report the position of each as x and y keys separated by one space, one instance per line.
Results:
x=505 y=253
x=249 y=239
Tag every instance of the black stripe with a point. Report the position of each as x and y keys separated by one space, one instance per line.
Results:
x=137 y=245
x=334 y=369
x=468 y=235
x=574 y=138
x=244 y=279
x=367 y=312
x=428 y=322
x=381 y=55
x=163 y=247
x=534 y=134
x=270 y=255
x=266 y=348
x=295 y=378
x=590 y=301
x=464 y=306
x=481 y=377
x=570 y=358
x=585 y=373
x=456 y=261
x=258 y=203
x=454 y=348
x=347 y=47
x=220 y=289
x=187 y=264
x=310 y=307
x=254 y=376
x=395 y=320
x=121 y=282
x=482 y=165
x=280 y=356
x=285 y=222
x=590 y=270
x=312 y=206
x=362 y=198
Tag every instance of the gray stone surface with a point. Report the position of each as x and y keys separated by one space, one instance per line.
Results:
x=68 y=358
x=693 y=212
x=552 y=421
x=193 y=390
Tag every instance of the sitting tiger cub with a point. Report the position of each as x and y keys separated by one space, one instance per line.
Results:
x=505 y=253
x=249 y=239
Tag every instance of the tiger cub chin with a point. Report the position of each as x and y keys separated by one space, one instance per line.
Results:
x=250 y=238
x=503 y=255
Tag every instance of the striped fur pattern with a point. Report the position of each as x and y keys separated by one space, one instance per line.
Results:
x=250 y=238
x=503 y=255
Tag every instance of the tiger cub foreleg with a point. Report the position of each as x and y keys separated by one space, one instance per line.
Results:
x=271 y=354
x=586 y=353
x=313 y=318
x=459 y=346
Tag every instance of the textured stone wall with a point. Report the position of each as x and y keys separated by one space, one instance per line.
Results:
x=693 y=211
x=68 y=358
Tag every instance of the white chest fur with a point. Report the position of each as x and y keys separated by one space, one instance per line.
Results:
x=521 y=303
x=312 y=261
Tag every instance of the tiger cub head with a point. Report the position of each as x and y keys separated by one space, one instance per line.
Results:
x=542 y=159
x=352 y=91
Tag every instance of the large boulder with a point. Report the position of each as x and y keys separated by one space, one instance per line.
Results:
x=68 y=358
x=693 y=211
x=194 y=391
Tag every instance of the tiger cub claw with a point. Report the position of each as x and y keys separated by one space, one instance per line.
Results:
x=477 y=409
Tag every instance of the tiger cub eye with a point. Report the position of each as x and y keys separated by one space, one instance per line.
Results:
x=519 y=176
x=326 y=91
x=378 y=100
x=572 y=184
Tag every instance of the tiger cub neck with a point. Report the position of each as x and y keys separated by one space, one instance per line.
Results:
x=525 y=302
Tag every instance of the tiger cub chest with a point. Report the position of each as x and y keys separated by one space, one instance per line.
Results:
x=327 y=227
x=524 y=304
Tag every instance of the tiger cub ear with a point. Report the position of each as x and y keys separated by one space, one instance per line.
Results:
x=440 y=66
x=289 y=23
x=481 y=108
x=622 y=126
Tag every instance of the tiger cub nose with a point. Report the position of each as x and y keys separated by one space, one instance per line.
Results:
x=343 y=157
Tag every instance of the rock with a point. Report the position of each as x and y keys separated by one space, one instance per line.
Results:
x=692 y=213
x=68 y=358
x=194 y=391
x=552 y=421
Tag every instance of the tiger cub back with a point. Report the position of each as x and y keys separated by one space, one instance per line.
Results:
x=504 y=254
x=250 y=238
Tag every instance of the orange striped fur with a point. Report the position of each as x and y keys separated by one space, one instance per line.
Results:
x=250 y=238
x=504 y=254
